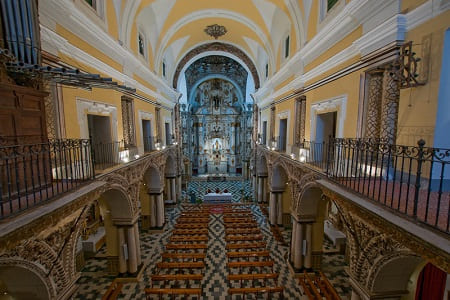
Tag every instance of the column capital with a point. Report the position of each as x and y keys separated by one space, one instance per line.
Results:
x=154 y=191
x=305 y=219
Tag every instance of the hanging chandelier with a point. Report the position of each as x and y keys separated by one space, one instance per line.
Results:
x=215 y=30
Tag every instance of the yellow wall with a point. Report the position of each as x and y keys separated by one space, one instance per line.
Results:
x=418 y=105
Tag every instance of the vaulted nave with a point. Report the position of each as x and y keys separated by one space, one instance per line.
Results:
x=212 y=149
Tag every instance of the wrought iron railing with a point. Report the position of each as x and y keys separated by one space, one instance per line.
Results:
x=412 y=180
x=109 y=154
x=31 y=174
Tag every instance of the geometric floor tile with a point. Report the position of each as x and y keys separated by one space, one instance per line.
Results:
x=94 y=280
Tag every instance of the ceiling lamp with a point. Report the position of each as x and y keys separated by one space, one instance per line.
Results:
x=215 y=30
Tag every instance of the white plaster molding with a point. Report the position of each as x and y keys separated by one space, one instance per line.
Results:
x=85 y=107
x=61 y=45
x=338 y=104
x=393 y=29
x=66 y=14
x=212 y=13
x=208 y=53
x=426 y=11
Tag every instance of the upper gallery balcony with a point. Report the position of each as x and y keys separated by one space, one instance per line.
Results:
x=411 y=180
x=33 y=173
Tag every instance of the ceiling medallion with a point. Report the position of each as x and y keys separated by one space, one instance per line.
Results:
x=215 y=30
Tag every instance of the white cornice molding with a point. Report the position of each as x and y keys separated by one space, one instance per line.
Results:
x=66 y=14
x=211 y=13
x=49 y=37
x=393 y=29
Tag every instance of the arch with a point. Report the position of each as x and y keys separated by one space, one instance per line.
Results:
x=392 y=272
x=261 y=166
x=152 y=178
x=221 y=47
x=24 y=280
x=170 y=166
x=211 y=13
x=279 y=178
x=118 y=202
x=309 y=200
x=213 y=76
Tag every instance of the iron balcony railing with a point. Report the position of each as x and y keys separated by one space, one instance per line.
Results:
x=149 y=143
x=106 y=155
x=31 y=174
x=412 y=180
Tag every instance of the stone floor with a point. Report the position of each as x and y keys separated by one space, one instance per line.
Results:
x=95 y=281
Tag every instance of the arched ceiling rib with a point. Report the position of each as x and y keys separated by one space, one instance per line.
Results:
x=216 y=46
x=173 y=27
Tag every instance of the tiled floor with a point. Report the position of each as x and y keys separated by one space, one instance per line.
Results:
x=94 y=280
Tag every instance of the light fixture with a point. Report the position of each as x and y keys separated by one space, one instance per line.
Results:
x=292 y=155
x=302 y=158
x=215 y=30
x=136 y=156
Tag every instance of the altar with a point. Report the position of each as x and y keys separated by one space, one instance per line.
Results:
x=217 y=198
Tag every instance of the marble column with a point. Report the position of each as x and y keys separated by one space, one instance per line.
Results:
x=273 y=208
x=131 y=242
x=293 y=238
x=298 y=256
x=308 y=256
x=260 y=188
x=179 y=183
x=122 y=254
x=138 y=243
x=173 y=188
x=153 y=210
x=280 y=209
x=264 y=189
x=159 y=210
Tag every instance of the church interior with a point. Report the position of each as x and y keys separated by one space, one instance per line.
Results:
x=212 y=149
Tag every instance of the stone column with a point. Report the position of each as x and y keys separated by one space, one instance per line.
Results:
x=153 y=210
x=280 y=209
x=273 y=208
x=298 y=257
x=120 y=243
x=138 y=244
x=179 y=183
x=173 y=188
x=159 y=210
x=131 y=242
x=373 y=116
x=293 y=239
x=260 y=188
x=264 y=189
x=308 y=256
x=389 y=107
